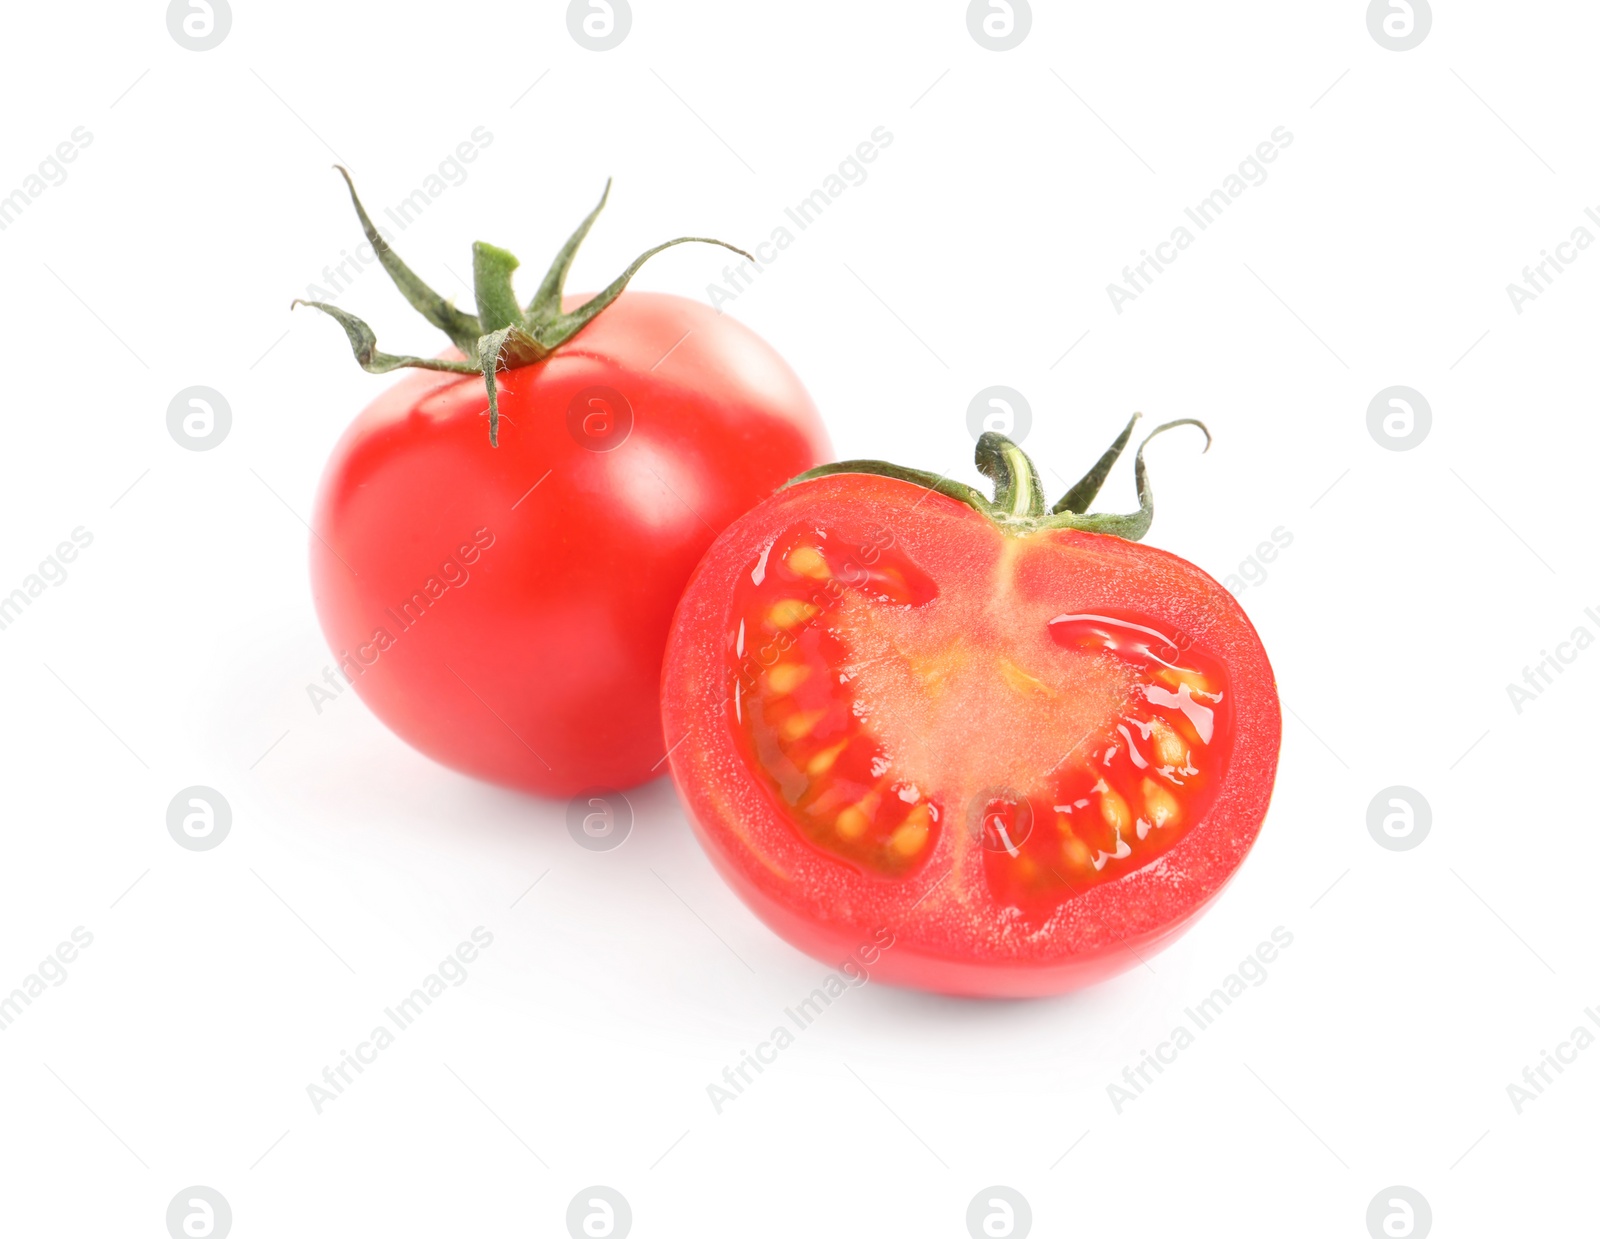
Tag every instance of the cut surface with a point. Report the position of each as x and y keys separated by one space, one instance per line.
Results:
x=883 y=712
x=857 y=695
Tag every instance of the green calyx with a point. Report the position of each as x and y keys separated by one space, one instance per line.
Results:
x=1018 y=506
x=502 y=335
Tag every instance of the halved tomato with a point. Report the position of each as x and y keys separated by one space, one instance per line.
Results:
x=1017 y=745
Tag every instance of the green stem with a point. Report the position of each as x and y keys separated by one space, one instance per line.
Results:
x=546 y=303
x=491 y=285
x=462 y=328
x=1082 y=495
x=1018 y=492
x=1018 y=504
x=365 y=346
x=502 y=335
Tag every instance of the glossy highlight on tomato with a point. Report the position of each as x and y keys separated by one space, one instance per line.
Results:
x=1029 y=750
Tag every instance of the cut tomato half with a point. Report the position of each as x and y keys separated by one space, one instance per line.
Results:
x=1018 y=744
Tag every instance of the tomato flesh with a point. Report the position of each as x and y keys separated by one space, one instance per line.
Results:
x=858 y=707
x=1026 y=758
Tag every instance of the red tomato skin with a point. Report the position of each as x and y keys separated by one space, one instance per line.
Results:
x=831 y=910
x=536 y=665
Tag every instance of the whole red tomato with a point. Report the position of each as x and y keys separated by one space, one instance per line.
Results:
x=504 y=608
x=984 y=748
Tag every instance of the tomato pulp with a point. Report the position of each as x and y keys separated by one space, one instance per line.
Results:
x=1028 y=751
x=504 y=609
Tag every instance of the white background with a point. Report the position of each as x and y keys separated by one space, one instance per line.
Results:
x=1018 y=185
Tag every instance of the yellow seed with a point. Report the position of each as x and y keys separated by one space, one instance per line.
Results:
x=1179 y=675
x=1159 y=803
x=852 y=823
x=1169 y=748
x=786 y=677
x=1021 y=681
x=809 y=562
x=1114 y=809
x=822 y=762
x=911 y=836
x=789 y=612
x=1076 y=852
x=799 y=725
